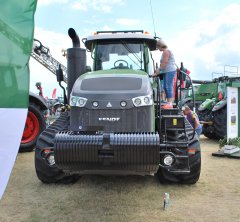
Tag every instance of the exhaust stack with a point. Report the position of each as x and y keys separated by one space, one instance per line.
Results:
x=76 y=61
x=75 y=39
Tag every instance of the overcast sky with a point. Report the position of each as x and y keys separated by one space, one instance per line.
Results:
x=204 y=34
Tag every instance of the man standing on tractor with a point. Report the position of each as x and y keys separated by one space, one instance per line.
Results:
x=192 y=119
x=167 y=68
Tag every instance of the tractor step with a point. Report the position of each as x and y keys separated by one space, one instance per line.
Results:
x=180 y=171
x=175 y=129
x=173 y=117
x=164 y=145
x=173 y=122
x=173 y=111
x=182 y=143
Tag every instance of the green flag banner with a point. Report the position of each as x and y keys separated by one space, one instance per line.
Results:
x=16 y=37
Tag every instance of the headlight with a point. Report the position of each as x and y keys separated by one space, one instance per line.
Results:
x=123 y=104
x=50 y=159
x=143 y=101
x=137 y=101
x=95 y=104
x=77 y=101
x=168 y=160
x=81 y=102
x=73 y=100
x=147 y=100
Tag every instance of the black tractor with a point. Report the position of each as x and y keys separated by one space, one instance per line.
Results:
x=115 y=124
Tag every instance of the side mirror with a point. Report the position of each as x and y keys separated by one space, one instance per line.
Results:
x=38 y=85
x=60 y=78
x=59 y=74
x=187 y=84
x=181 y=75
x=88 y=69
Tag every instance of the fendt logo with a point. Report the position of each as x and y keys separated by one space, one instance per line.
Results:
x=107 y=119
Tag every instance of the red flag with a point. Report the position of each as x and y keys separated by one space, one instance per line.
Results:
x=54 y=93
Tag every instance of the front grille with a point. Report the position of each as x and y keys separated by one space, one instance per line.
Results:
x=136 y=152
x=111 y=84
x=131 y=120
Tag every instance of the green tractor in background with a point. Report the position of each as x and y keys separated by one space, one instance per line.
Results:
x=211 y=104
x=213 y=111
x=203 y=90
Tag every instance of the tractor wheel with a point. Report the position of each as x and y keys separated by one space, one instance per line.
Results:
x=204 y=115
x=51 y=173
x=34 y=125
x=165 y=177
x=208 y=131
x=220 y=123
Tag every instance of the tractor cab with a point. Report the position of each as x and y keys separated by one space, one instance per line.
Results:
x=122 y=50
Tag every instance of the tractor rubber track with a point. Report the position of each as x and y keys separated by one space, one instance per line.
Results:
x=45 y=172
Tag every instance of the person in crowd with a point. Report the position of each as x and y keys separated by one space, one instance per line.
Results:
x=192 y=119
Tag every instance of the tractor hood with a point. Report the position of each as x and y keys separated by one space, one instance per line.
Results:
x=112 y=85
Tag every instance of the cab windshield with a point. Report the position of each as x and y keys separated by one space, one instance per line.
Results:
x=120 y=55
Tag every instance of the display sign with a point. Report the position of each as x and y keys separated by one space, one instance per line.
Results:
x=232 y=112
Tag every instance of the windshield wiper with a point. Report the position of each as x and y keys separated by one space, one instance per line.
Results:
x=126 y=46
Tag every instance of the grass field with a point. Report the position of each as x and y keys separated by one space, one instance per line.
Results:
x=216 y=197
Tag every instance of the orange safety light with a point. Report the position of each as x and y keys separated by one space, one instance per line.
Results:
x=46 y=151
x=220 y=95
x=191 y=151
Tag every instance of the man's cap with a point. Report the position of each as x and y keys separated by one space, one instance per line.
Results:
x=185 y=108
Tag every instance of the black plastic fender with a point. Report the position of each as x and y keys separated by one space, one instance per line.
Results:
x=36 y=99
x=207 y=104
x=185 y=101
x=219 y=105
